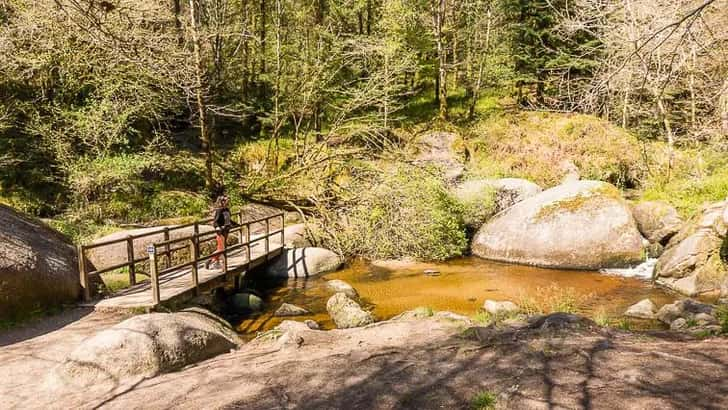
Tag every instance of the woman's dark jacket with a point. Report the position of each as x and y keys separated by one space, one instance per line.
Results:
x=223 y=220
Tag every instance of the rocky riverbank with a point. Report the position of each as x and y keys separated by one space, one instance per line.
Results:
x=420 y=360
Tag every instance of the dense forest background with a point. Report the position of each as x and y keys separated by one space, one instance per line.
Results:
x=129 y=111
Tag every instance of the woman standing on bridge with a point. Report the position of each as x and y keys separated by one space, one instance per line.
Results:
x=222 y=221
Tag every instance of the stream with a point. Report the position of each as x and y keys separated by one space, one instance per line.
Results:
x=460 y=286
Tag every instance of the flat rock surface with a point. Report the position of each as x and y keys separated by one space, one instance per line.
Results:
x=424 y=364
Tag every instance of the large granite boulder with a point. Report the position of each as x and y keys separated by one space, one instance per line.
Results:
x=579 y=225
x=303 y=262
x=657 y=221
x=38 y=266
x=146 y=345
x=346 y=313
x=696 y=259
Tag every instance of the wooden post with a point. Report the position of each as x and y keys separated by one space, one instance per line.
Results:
x=167 y=254
x=130 y=259
x=240 y=221
x=193 y=258
x=283 y=230
x=83 y=274
x=247 y=241
x=154 y=278
x=267 y=237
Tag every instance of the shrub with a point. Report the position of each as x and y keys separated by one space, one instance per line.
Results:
x=484 y=400
x=531 y=145
x=406 y=212
x=552 y=299
x=478 y=204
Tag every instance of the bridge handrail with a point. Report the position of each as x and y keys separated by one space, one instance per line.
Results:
x=131 y=262
x=196 y=258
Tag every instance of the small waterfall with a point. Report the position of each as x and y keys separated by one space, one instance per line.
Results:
x=643 y=270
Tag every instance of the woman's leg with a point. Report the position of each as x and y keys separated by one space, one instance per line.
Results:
x=220 y=246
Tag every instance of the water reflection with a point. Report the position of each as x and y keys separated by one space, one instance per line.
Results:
x=461 y=287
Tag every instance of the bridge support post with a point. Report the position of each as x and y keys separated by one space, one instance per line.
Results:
x=83 y=273
x=194 y=254
x=154 y=278
x=130 y=259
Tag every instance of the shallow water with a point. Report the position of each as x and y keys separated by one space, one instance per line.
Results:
x=461 y=286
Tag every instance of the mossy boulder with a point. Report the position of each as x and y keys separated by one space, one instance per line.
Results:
x=38 y=266
x=658 y=221
x=693 y=261
x=578 y=225
x=346 y=313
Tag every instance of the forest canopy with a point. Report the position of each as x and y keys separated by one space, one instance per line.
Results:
x=113 y=108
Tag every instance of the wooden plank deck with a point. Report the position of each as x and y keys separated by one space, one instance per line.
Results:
x=177 y=286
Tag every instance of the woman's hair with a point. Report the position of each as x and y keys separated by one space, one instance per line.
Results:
x=219 y=201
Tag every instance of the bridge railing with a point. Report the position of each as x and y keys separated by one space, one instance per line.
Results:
x=133 y=249
x=243 y=232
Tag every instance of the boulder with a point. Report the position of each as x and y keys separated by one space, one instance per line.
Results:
x=346 y=313
x=679 y=324
x=685 y=308
x=643 y=309
x=579 y=225
x=693 y=263
x=312 y=324
x=438 y=148
x=38 y=266
x=288 y=309
x=657 y=221
x=487 y=197
x=114 y=254
x=295 y=236
x=146 y=345
x=246 y=302
x=340 y=286
x=303 y=262
x=500 y=308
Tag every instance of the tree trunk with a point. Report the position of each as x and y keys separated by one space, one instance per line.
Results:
x=263 y=10
x=176 y=6
x=442 y=59
x=723 y=108
x=369 y=17
x=205 y=141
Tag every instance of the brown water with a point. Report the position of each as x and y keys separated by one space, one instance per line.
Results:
x=461 y=286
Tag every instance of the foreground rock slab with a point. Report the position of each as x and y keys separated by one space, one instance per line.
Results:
x=346 y=313
x=38 y=266
x=579 y=225
x=145 y=346
x=390 y=364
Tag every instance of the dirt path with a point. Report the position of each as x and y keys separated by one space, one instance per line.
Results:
x=404 y=364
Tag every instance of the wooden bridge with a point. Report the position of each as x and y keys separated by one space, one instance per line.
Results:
x=176 y=267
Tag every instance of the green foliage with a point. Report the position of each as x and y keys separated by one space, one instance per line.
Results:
x=532 y=145
x=485 y=400
x=478 y=206
x=689 y=191
x=136 y=187
x=408 y=212
x=722 y=315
